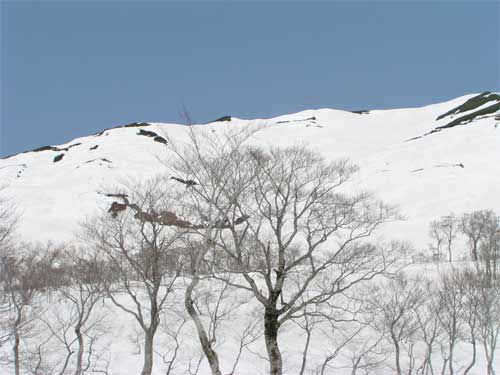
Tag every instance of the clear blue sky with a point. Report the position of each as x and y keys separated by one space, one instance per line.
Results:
x=71 y=68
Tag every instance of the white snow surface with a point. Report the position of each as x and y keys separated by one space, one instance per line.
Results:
x=421 y=176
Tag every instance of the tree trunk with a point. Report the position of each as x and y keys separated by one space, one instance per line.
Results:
x=271 y=327
x=397 y=350
x=450 y=359
x=148 y=353
x=17 y=339
x=206 y=345
x=16 y=353
x=473 y=359
x=474 y=250
x=79 y=355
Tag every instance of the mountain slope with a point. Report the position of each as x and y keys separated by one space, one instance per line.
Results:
x=428 y=161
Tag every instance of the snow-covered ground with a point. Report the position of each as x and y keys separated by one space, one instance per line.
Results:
x=456 y=169
x=426 y=175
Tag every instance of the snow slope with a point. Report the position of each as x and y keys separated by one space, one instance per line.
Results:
x=426 y=175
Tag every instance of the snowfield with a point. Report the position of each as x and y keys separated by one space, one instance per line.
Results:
x=401 y=161
x=455 y=169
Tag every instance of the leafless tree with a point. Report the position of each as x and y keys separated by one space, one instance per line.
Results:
x=473 y=226
x=144 y=255
x=394 y=304
x=451 y=302
x=27 y=274
x=7 y=224
x=77 y=326
x=489 y=246
x=485 y=297
x=277 y=210
x=211 y=168
x=173 y=332
x=444 y=232
x=429 y=329
x=8 y=221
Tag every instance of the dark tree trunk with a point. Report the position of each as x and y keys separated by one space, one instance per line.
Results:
x=16 y=354
x=206 y=344
x=397 y=352
x=17 y=339
x=148 y=353
x=79 y=356
x=271 y=327
x=474 y=250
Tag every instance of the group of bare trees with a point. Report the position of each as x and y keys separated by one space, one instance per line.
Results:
x=278 y=228
x=480 y=229
x=48 y=299
x=34 y=279
x=425 y=320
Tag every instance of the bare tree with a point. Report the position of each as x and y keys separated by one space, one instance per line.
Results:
x=144 y=255
x=8 y=221
x=473 y=226
x=394 y=304
x=278 y=209
x=26 y=276
x=485 y=297
x=212 y=170
x=7 y=225
x=451 y=302
x=78 y=326
x=444 y=232
x=489 y=246
x=429 y=328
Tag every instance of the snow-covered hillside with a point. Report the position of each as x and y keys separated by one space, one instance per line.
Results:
x=428 y=161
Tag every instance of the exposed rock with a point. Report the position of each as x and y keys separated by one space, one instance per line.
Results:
x=222 y=119
x=471 y=116
x=160 y=139
x=471 y=104
x=117 y=207
x=135 y=125
x=147 y=133
x=131 y=125
x=58 y=158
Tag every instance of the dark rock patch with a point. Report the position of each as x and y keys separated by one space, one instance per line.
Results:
x=94 y=147
x=131 y=125
x=160 y=139
x=471 y=116
x=116 y=207
x=222 y=119
x=45 y=148
x=58 y=158
x=135 y=125
x=52 y=148
x=73 y=145
x=147 y=133
x=471 y=104
x=361 y=112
